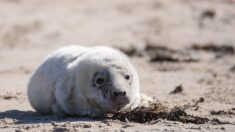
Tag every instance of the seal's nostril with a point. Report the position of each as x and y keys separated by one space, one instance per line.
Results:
x=115 y=93
x=119 y=93
x=124 y=93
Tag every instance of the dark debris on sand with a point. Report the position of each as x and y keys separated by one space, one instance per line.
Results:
x=164 y=54
x=222 y=112
x=232 y=69
x=159 y=54
x=156 y=111
x=195 y=105
x=219 y=50
x=178 y=89
x=132 y=51
x=9 y=96
x=209 y=13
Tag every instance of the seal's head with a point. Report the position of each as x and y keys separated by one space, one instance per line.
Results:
x=112 y=86
x=110 y=83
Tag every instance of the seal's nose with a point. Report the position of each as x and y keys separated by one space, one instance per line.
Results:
x=119 y=99
x=119 y=93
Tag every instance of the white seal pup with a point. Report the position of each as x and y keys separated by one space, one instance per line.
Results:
x=84 y=81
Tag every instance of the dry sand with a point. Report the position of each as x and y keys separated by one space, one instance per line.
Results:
x=183 y=50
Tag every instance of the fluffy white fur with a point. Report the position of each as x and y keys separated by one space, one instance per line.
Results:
x=62 y=84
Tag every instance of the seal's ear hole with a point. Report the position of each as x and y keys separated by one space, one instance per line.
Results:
x=127 y=77
x=99 y=80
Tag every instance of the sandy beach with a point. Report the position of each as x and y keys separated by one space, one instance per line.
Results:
x=183 y=50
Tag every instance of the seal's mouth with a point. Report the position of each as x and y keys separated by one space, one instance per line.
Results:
x=119 y=104
x=118 y=107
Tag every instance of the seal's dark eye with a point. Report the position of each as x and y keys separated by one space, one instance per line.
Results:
x=99 y=81
x=127 y=77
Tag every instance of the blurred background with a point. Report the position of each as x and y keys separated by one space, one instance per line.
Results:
x=55 y=23
x=192 y=42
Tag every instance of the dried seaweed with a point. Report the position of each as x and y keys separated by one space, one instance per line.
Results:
x=222 y=112
x=209 y=13
x=159 y=54
x=218 y=49
x=178 y=89
x=155 y=112
x=232 y=69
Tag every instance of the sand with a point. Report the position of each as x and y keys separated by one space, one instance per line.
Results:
x=184 y=51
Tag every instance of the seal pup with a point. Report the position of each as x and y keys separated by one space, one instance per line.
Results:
x=77 y=80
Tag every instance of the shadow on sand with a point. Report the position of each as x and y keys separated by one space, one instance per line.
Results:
x=32 y=117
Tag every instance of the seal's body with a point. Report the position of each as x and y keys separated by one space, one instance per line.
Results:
x=83 y=81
